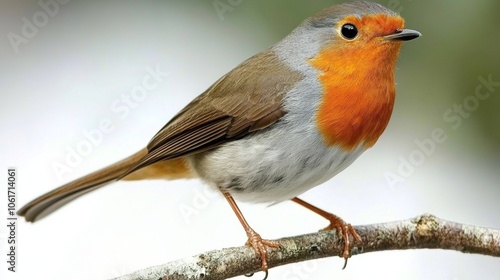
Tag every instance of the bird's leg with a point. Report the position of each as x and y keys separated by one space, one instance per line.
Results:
x=254 y=239
x=343 y=228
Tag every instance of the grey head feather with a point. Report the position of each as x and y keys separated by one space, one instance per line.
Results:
x=328 y=16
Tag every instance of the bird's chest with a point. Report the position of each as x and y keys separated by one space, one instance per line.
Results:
x=356 y=98
x=347 y=118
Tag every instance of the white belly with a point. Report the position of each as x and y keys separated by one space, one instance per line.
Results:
x=275 y=165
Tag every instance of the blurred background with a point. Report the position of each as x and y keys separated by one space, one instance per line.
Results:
x=73 y=101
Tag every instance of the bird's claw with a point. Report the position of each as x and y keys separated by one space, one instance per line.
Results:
x=260 y=246
x=344 y=230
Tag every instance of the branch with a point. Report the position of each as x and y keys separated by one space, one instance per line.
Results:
x=423 y=232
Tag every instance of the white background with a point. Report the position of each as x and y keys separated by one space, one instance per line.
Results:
x=63 y=81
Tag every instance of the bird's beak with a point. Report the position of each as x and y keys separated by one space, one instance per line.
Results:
x=403 y=35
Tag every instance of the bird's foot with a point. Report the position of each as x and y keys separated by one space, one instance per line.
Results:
x=344 y=230
x=260 y=246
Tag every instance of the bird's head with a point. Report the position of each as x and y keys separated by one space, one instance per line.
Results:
x=352 y=50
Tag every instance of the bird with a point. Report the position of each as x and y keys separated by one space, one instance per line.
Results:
x=285 y=120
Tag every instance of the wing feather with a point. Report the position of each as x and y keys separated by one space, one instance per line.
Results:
x=247 y=99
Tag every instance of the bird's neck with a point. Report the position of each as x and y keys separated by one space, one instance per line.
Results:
x=358 y=95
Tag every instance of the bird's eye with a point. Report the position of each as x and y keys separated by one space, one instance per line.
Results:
x=349 y=31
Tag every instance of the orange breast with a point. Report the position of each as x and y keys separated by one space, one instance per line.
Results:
x=358 y=92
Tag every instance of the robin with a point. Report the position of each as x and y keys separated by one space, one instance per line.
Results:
x=285 y=120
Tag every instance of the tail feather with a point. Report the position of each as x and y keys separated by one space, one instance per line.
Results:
x=51 y=201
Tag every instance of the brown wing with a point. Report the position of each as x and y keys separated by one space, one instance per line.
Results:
x=247 y=99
